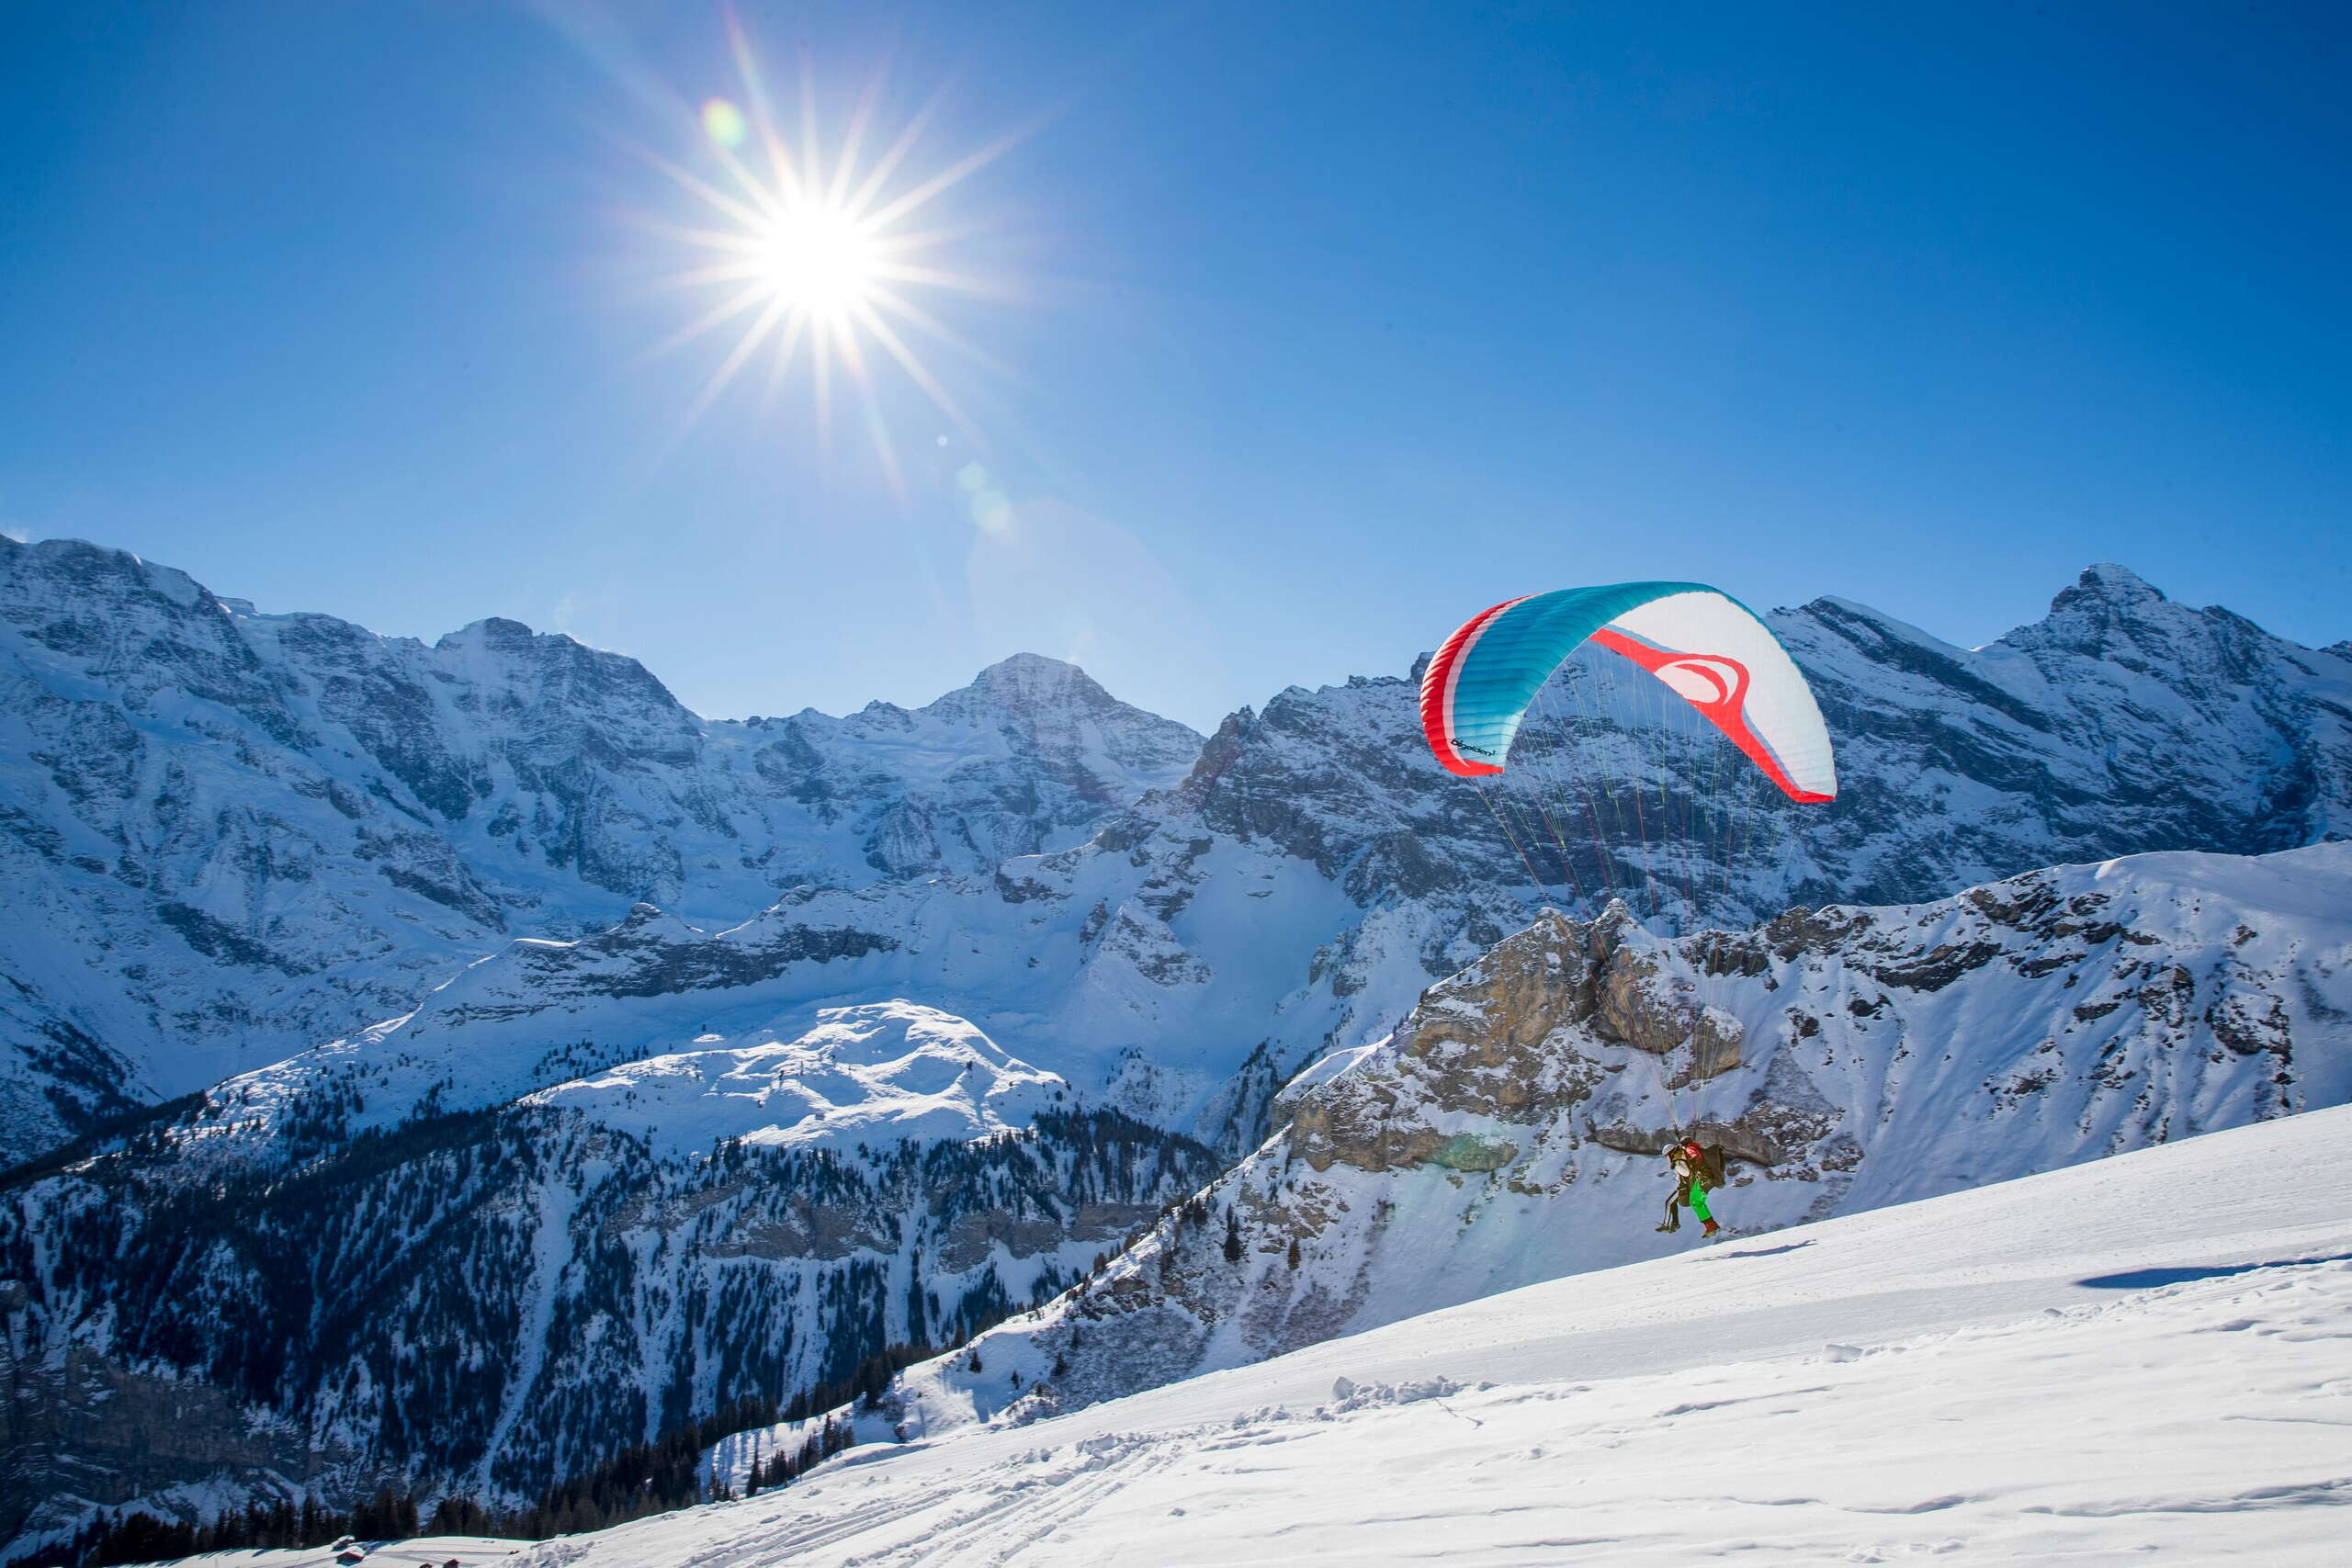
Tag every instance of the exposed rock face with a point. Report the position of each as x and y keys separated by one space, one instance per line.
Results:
x=1487 y=1044
x=78 y=1415
x=1508 y=1131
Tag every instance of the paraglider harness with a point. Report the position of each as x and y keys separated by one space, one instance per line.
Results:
x=1696 y=1175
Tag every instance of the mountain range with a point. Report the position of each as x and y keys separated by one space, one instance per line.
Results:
x=233 y=836
x=442 y=1066
x=228 y=837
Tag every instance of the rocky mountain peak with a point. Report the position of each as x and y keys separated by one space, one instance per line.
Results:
x=512 y=643
x=2107 y=580
x=1218 y=752
x=2111 y=607
x=492 y=631
x=82 y=564
x=502 y=635
x=560 y=699
x=1034 y=671
x=1027 y=685
x=1060 y=718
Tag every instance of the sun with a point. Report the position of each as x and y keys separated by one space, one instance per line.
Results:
x=817 y=259
x=811 y=244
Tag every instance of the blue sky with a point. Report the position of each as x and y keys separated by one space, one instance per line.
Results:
x=1309 y=329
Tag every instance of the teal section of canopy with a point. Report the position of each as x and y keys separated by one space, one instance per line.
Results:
x=1521 y=646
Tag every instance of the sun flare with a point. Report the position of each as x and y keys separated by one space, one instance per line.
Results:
x=816 y=260
x=813 y=255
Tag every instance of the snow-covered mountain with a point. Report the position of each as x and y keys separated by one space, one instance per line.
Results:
x=1845 y=1058
x=226 y=837
x=329 y=1281
x=2138 y=1357
x=1316 y=869
x=482 y=1247
x=237 y=835
x=672 y=1060
x=230 y=835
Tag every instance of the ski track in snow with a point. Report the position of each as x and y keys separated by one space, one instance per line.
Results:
x=2148 y=1356
x=426 y=1552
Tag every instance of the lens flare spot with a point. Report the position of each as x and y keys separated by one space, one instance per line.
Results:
x=992 y=511
x=724 y=123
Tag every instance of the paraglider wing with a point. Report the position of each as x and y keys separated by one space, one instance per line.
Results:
x=1707 y=647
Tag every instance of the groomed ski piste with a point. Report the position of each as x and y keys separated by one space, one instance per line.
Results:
x=2149 y=1356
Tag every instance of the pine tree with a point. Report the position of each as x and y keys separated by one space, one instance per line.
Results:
x=1232 y=1236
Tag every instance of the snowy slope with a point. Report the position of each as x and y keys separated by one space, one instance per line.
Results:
x=1845 y=1058
x=423 y=1552
x=2145 y=1355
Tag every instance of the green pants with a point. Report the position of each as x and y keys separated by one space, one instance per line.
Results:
x=1698 y=1201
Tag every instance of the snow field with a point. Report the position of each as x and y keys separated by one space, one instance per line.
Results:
x=885 y=1071
x=2151 y=1356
